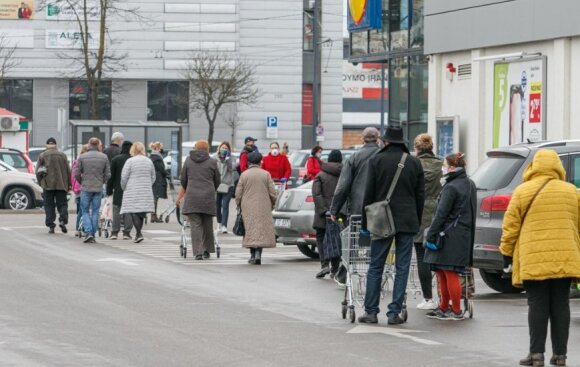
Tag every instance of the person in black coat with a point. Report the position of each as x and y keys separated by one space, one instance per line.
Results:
x=455 y=216
x=160 y=184
x=323 y=191
x=114 y=188
x=407 y=207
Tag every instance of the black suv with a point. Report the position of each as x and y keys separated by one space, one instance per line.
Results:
x=496 y=178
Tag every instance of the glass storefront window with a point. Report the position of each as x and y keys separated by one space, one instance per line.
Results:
x=418 y=92
x=417 y=24
x=379 y=38
x=79 y=100
x=398 y=91
x=168 y=101
x=16 y=96
x=359 y=43
x=399 y=24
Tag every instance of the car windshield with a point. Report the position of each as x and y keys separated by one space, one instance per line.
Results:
x=13 y=159
x=497 y=172
x=34 y=154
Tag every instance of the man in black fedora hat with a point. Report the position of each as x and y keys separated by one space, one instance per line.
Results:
x=407 y=207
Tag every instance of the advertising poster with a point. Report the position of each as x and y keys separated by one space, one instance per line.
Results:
x=69 y=39
x=519 y=101
x=447 y=135
x=363 y=81
x=63 y=10
x=364 y=15
x=16 y=9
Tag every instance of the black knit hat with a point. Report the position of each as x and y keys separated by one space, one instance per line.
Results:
x=254 y=158
x=335 y=156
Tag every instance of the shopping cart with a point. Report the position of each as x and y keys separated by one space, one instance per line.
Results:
x=171 y=208
x=467 y=290
x=356 y=259
x=185 y=237
x=105 y=226
x=280 y=187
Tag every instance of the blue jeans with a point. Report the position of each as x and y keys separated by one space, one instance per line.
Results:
x=223 y=206
x=379 y=252
x=79 y=213
x=90 y=205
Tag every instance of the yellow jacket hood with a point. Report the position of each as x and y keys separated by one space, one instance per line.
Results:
x=546 y=163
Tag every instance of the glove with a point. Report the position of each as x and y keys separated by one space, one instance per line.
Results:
x=430 y=246
x=507 y=264
x=283 y=180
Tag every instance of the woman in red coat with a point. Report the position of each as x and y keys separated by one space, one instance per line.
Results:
x=313 y=163
x=277 y=164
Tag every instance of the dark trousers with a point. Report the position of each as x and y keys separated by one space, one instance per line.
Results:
x=424 y=269
x=222 y=203
x=379 y=252
x=125 y=220
x=55 y=200
x=202 y=239
x=334 y=262
x=548 y=300
x=138 y=219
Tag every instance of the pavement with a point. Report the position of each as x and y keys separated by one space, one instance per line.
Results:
x=116 y=303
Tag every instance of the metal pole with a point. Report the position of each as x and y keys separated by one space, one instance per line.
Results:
x=382 y=99
x=316 y=75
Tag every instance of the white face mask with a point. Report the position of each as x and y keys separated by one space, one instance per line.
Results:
x=444 y=170
x=275 y=152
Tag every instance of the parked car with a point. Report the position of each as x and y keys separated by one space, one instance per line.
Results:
x=298 y=159
x=18 y=190
x=293 y=216
x=16 y=159
x=496 y=178
x=33 y=154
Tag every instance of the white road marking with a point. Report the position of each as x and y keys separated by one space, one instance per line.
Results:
x=24 y=227
x=397 y=333
x=129 y=262
x=158 y=231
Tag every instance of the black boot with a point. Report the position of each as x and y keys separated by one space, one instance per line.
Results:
x=323 y=272
x=533 y=359
x=252 y=259
x=258 y=260
x=558 y=360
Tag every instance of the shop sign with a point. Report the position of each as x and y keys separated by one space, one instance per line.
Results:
x=363 y=81
x=10 y=9
x=364 y=15
x=519 y=101
x=69 y=39
x=65 y=10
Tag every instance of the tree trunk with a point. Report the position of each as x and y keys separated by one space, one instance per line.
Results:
x=210 y=133
x=93 y=91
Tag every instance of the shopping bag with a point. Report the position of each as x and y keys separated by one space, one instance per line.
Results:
x=332 y=244
x=239 y=228
x=107 y=212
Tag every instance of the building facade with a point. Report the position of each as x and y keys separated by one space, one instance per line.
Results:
x=270 y=34
x=507 y=83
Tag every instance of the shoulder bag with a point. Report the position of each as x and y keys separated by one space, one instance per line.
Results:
x=533 y=199
x=239 y=228
x=379 y=216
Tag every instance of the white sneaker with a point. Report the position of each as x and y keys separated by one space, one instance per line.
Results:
x=223 y=229
x=427 y=304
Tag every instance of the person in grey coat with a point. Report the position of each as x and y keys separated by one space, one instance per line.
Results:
x=137 y=183
x=92 y=172
x=200 y=178
x=114 y=189
x=114 y=149
x=225 y=190
x=352 y=181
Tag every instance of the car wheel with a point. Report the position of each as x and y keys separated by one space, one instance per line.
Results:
x=18 y=199
x=497 y=283
x=309 y=250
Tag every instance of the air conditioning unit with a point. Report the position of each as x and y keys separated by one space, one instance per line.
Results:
x=9 y=123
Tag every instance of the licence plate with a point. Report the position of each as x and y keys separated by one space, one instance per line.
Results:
x=282 y=223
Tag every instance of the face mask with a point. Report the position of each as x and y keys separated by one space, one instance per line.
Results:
x=445 y=170
x=224 y=152
x=275 y=152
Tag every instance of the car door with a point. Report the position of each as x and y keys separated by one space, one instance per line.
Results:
x=573 y=173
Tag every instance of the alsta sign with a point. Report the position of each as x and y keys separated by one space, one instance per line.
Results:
x=69 y=39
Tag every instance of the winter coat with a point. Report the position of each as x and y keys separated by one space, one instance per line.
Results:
x=323 y=190
x=112 y=151
x=312 y=168
x=278 y=166
x=137 y=180
x=226 y=170
x=200 y=177
x=93 y=171
x=160 y=184
x=409 y=195
x=114 y=183
x=75 y=185
x=256 y=196
x=458 y=199
x=432 y=170
x=57 y=170
x=547 y=245
x=352 y=182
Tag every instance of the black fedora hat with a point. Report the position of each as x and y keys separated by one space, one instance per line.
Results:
x=394 y=135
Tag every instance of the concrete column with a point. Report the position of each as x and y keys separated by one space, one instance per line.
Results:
x=480 y=129
x=434 y=100
x=558 y=89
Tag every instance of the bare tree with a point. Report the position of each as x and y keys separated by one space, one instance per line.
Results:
x=216 y=80
x=233 y=123
x=96 y=61
x=7 y=59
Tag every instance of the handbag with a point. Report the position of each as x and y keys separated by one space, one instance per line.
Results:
x=379 y=216
x=223 y=189
x=332 y=243
x=239 y=228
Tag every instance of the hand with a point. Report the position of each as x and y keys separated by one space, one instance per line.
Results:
x=431 y=246
x=364 y=232
x=333 y=218
x=177 y=203
x=507 y=264
x=283 y=180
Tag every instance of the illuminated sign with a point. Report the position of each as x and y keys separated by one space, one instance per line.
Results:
x=364 y=15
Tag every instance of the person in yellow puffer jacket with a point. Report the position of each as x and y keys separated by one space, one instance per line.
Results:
x=540 y=234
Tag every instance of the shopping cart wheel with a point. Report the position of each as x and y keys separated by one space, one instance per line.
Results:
x=404 y=314
x=100 y=231
x=352 y=315
x=185 y=252
x=218 y=252
x=344 y=311
x=167 y=219
x=106 y=233
x=469 y=307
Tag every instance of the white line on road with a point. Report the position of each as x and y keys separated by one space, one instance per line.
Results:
x=130 y=262
x=397 y=333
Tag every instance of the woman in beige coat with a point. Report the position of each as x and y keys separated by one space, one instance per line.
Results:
x=256 y=196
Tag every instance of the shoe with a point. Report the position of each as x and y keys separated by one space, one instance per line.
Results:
x=89 y=239
x=155 y=219
x=258 y=258
x=558 y=360
x=340 y=276
x=138 y=239
x=427 y=304
x=51 y=230
x=453 y=316
x=252 y=261
x=113 y=237
x=436 y=314
x=533 y=359
x=395 y=320
x=322 y=273
x=206 y=255
x=223 y=229
x=368 y=318
x=127 y=236
x=199 y=257
x=63 y=228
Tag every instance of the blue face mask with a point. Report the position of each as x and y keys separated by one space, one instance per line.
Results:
x=224 y=152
